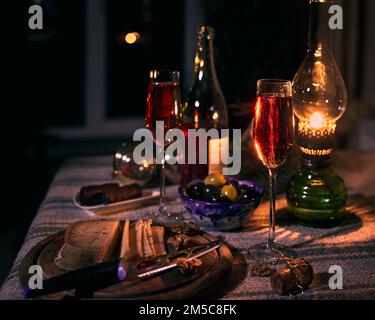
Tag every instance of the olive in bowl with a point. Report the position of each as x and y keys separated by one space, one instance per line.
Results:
x=221 y=207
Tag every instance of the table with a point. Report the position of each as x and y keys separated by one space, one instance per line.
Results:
x=351 y=245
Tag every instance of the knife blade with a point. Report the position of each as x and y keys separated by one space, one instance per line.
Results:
x=174 y=265
x=104 y=274
x=193 y=249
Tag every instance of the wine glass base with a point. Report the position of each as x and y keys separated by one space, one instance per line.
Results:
x=271 y=253
x=165 y=218
x=155 y=216
x=170 y=218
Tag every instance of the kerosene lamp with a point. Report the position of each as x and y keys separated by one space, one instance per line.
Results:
x=316 y=195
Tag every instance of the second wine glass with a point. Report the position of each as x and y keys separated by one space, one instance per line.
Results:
x=273 y=133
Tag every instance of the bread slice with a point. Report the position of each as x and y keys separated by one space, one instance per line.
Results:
x=129 y=242
x=146 y=247
x=88 y=243
x=158 y=237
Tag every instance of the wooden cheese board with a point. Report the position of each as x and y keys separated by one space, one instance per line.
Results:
x=168 y=286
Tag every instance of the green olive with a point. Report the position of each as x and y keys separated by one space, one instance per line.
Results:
x=215 y=179
x=230 y=192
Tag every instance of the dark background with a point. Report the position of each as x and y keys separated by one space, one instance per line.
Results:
x=55 y=106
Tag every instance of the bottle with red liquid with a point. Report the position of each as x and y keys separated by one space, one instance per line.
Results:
x=205 y=107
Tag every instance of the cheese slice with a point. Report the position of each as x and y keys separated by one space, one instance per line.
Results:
x=146 y=247
x=148 y=229
x=139 y=237
x=125 y=243
x=88 y=243
x=140 y=240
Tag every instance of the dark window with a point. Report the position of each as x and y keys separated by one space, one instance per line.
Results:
x=57 y=68
x=160 y=44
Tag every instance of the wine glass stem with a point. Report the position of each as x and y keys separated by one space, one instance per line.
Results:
x=162 y=206
x=271 y=231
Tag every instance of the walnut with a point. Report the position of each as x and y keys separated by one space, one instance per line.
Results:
x=188 y=265
x=176 y=242
x=188 y=229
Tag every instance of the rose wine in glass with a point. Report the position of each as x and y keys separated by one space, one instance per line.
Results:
x=273 y=129
x=163 y=104
x=161 y=98
x=273 y=133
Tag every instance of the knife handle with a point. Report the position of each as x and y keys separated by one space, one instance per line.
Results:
x=91 y=278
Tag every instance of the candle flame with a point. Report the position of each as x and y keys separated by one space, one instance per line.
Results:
x=316 y=120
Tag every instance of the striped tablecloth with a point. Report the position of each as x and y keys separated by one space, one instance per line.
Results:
x=351 y=245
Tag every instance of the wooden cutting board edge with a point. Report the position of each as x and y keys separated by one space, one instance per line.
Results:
x=192 y=290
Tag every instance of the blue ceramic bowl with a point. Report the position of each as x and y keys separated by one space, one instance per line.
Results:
x=222 y=216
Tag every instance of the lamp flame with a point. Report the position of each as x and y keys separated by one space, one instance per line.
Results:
x=316 y=120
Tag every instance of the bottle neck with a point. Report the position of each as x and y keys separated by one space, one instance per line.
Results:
x=206 y=104
x=204 y=69
x=319 y=31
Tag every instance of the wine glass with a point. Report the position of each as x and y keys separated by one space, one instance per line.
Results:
x=163 y=104
x=273 y=133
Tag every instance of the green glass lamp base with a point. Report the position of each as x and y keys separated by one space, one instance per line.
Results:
x=317 y=196
x=317 y=218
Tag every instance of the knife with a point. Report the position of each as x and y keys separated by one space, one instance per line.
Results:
x=174 y=265
x=90 y=279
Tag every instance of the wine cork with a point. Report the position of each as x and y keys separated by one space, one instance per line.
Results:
x=297 y=277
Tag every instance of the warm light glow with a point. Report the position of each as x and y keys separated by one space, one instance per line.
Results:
x=131 y=37
x=316 y=120
x=145 y=163
x=319 y=87
x=259 y=152
x=176 y=108
x=313 y=152
x=257 y=109
x=318 y=53
x=196 y=119
x=215 y=116
x=319 y=75
x=315 y=129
